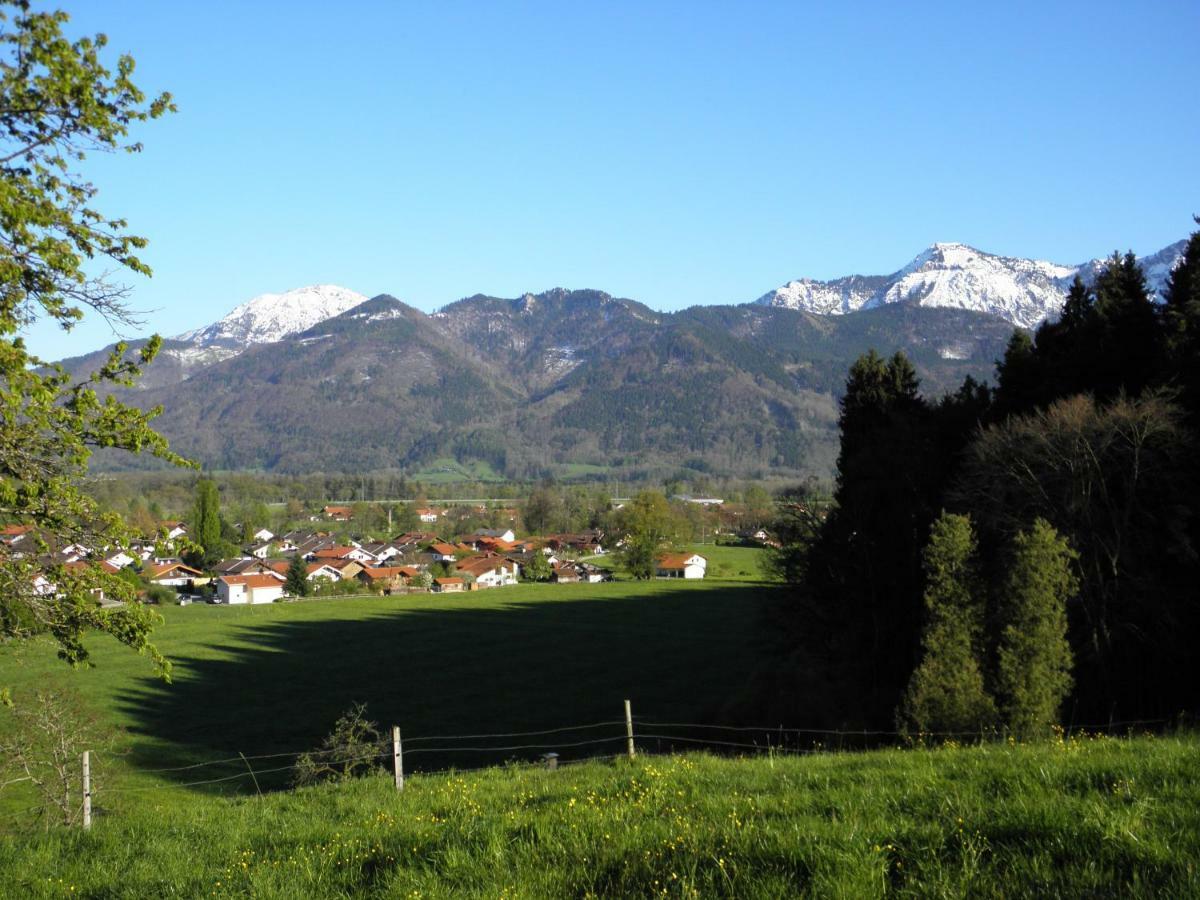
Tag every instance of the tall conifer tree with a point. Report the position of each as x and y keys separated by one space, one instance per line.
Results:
x=947 y=690
x=1034 y=658
x=297 y=577
x=206 y=518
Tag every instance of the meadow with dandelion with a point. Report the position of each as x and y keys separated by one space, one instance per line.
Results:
x=1095 y=816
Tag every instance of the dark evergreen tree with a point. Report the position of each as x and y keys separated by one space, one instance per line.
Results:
x=863 y=582
x=1182 y=314
x=297 y=583
x=1128 y=350
x=206 y=524
x=1018 y=379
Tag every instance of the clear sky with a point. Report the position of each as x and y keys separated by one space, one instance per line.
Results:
x=678 y=154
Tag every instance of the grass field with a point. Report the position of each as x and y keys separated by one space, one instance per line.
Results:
x=271 y=679
x=450 y=471
x=1090 y=817
x=1103 y=818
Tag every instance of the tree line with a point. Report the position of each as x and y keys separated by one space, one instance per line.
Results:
x=1017 y=555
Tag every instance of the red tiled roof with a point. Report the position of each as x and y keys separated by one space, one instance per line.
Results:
x=445 y=581
x=674 y=560
x=160 y=569
x=480 y=565
x=333 y=552
x=377 y=572
x=79 y=565
x=252 y=581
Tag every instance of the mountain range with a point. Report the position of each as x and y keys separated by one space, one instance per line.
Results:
x=1025 y=292
x=577 y=383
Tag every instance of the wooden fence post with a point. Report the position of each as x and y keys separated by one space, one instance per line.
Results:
x=397 y=758
x=629 y=729
x=87 y=789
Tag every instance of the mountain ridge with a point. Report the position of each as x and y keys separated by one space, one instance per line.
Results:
x=564 y=383
x=1023 y=291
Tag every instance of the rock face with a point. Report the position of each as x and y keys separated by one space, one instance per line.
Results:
x=1021 y=291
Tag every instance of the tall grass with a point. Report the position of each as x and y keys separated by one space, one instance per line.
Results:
x=1099 y=817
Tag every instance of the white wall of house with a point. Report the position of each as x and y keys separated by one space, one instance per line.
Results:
x=497 y=577
x=268 y=594
x=171 y=580
x=235 y=594
x=230 y=593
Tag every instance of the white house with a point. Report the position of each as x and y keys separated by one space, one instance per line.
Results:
x=680 y=565
x=174 y=530
x=324 y=570
x=120 y=559
x=380 y=552
x=236 y=589
x=263 y=535
x=332 y=554
x=499 y=534
x=174 y=574
x=489 y=571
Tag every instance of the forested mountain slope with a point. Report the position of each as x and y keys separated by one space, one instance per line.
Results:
x=557 y=383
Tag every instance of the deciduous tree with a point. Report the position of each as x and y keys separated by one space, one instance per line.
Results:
x=59 y=101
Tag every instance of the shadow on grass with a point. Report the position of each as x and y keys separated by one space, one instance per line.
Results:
x=517 y=666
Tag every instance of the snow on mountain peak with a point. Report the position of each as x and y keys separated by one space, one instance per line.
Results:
x=272 y=317
x=1023 y=291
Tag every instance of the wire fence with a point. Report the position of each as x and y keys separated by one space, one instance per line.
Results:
x=551 y=747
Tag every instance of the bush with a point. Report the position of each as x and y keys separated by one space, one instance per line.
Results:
x=354 y=748
x=161 y=594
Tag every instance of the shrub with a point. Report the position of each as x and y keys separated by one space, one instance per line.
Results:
x=354 y=748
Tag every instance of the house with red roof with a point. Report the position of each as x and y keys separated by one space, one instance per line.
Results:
x=387 y=577
x=489 y=571
x=680 y=565
x=235 y=589
x=174 y=574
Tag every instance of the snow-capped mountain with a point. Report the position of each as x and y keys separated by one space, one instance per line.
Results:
x=272 y=317
x=842 y=295
x=1023 y=291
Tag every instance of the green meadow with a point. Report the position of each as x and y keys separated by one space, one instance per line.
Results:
x=1095 y=817
x=263 y=680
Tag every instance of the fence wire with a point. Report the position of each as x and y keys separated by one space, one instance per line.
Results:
x=646 y=729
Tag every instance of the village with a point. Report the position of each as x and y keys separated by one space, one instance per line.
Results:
x=336 y=562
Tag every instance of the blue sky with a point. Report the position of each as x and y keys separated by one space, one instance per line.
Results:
x=678 y=154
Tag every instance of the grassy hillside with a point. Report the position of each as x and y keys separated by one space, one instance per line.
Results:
x=1081 y=817
x=1094 y=818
